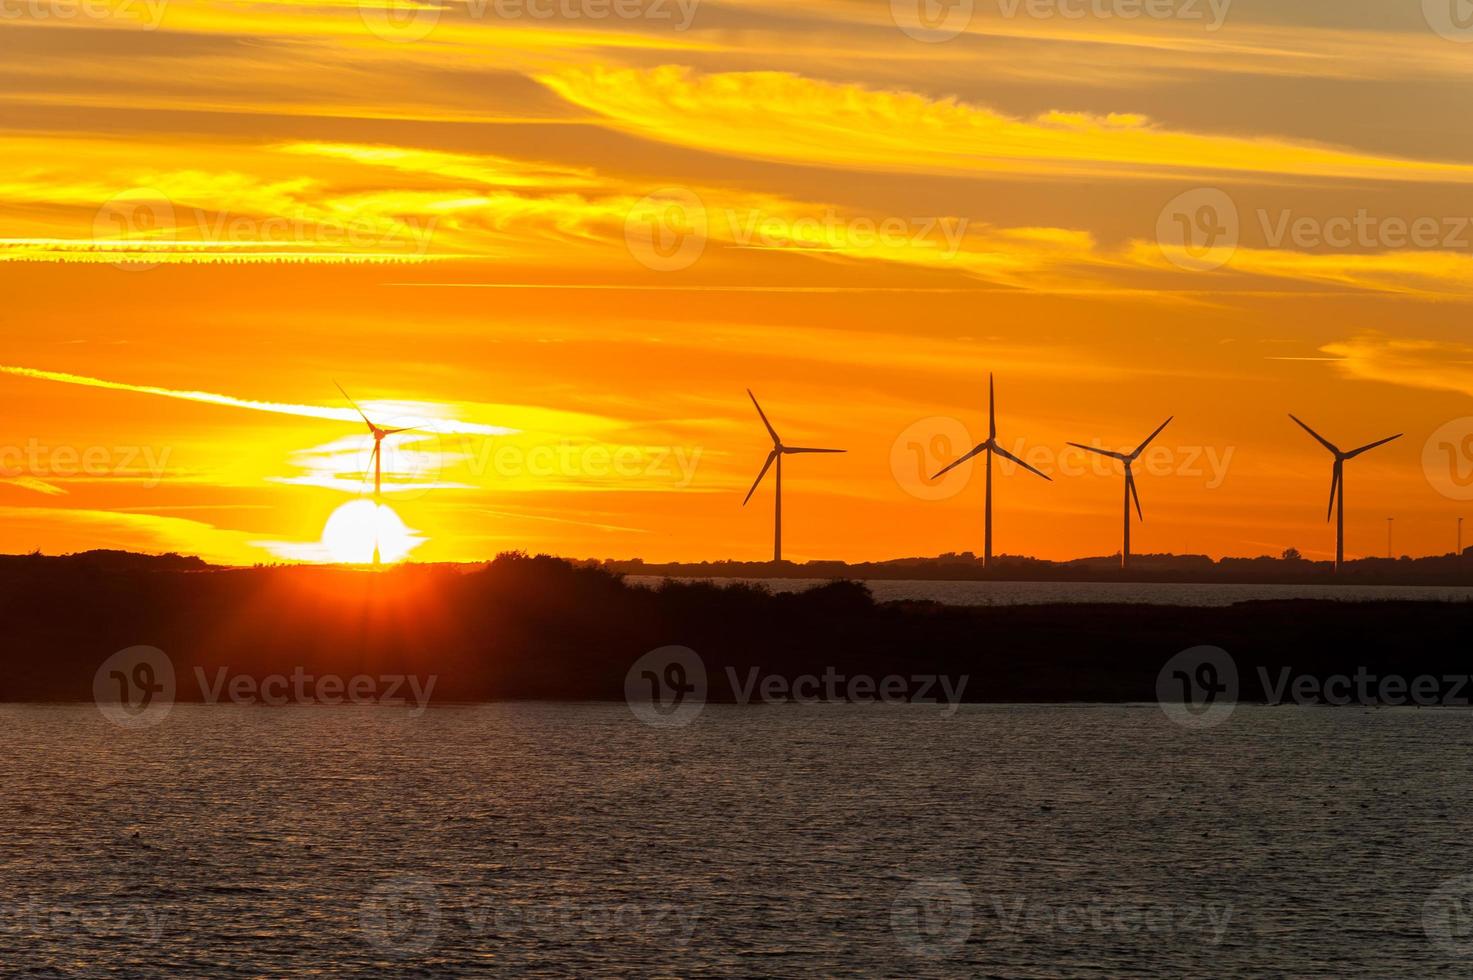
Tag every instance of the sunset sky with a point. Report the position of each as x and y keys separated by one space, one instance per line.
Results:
x=565 y=241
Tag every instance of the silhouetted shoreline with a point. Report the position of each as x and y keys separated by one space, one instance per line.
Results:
x=1449 y=569
x=545 y=629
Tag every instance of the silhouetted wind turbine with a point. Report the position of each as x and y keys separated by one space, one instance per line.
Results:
x=990 y=447
x=1130 y=490
x=777 y=454
x=379 y=435
x=1337 y=484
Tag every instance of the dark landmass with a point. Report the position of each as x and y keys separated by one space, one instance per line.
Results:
x=543 y=628
x=1449 y=569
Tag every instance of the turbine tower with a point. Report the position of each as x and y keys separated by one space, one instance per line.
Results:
x=1337 y=484
x=1131 y=493
x=777 y=454
x=379 y=434
x=990 y=447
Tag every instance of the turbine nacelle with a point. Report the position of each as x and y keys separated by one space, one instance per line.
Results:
x=778 y=451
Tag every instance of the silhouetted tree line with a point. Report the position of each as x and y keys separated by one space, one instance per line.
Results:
x=526 y=627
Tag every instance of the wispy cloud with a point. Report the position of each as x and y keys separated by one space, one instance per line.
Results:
x=787 y=117
x=427 y=412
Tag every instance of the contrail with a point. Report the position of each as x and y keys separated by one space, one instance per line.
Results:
x=442 y=426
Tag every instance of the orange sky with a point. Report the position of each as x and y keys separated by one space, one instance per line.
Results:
x=211 y=211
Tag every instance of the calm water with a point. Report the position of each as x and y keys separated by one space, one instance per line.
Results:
x=1167 y=594
x=560 y=840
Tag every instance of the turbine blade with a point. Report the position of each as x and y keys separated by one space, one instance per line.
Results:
x=354 y=404
x=758 y=482
x=1365 y=449
x=1134 y=493
x=1334 y=486
x=1102 y=452
x=1032 y=469
x=962 y=460
x=770 y=430
x=1152 y=438
x=788 y=449
x=991 y=408
x=394 y=432
x=1318 y=438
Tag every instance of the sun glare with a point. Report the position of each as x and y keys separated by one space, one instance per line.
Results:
x=353 y=528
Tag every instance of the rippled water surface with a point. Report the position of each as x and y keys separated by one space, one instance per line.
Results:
x=825 y=841
x=1154 y=593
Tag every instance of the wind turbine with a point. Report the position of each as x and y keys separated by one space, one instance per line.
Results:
x=1131 y=493
x=990 y=447
x=1337 y=484
x=777 y=454
x=379 y=435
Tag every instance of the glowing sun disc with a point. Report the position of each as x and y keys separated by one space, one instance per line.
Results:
x=353 y=528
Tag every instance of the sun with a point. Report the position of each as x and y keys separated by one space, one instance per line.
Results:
x=353 y=528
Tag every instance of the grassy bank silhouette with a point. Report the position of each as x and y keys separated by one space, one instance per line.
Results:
x=542 y=628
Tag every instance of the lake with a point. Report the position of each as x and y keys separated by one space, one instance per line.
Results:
x=839 y=840
x=1152 y=593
